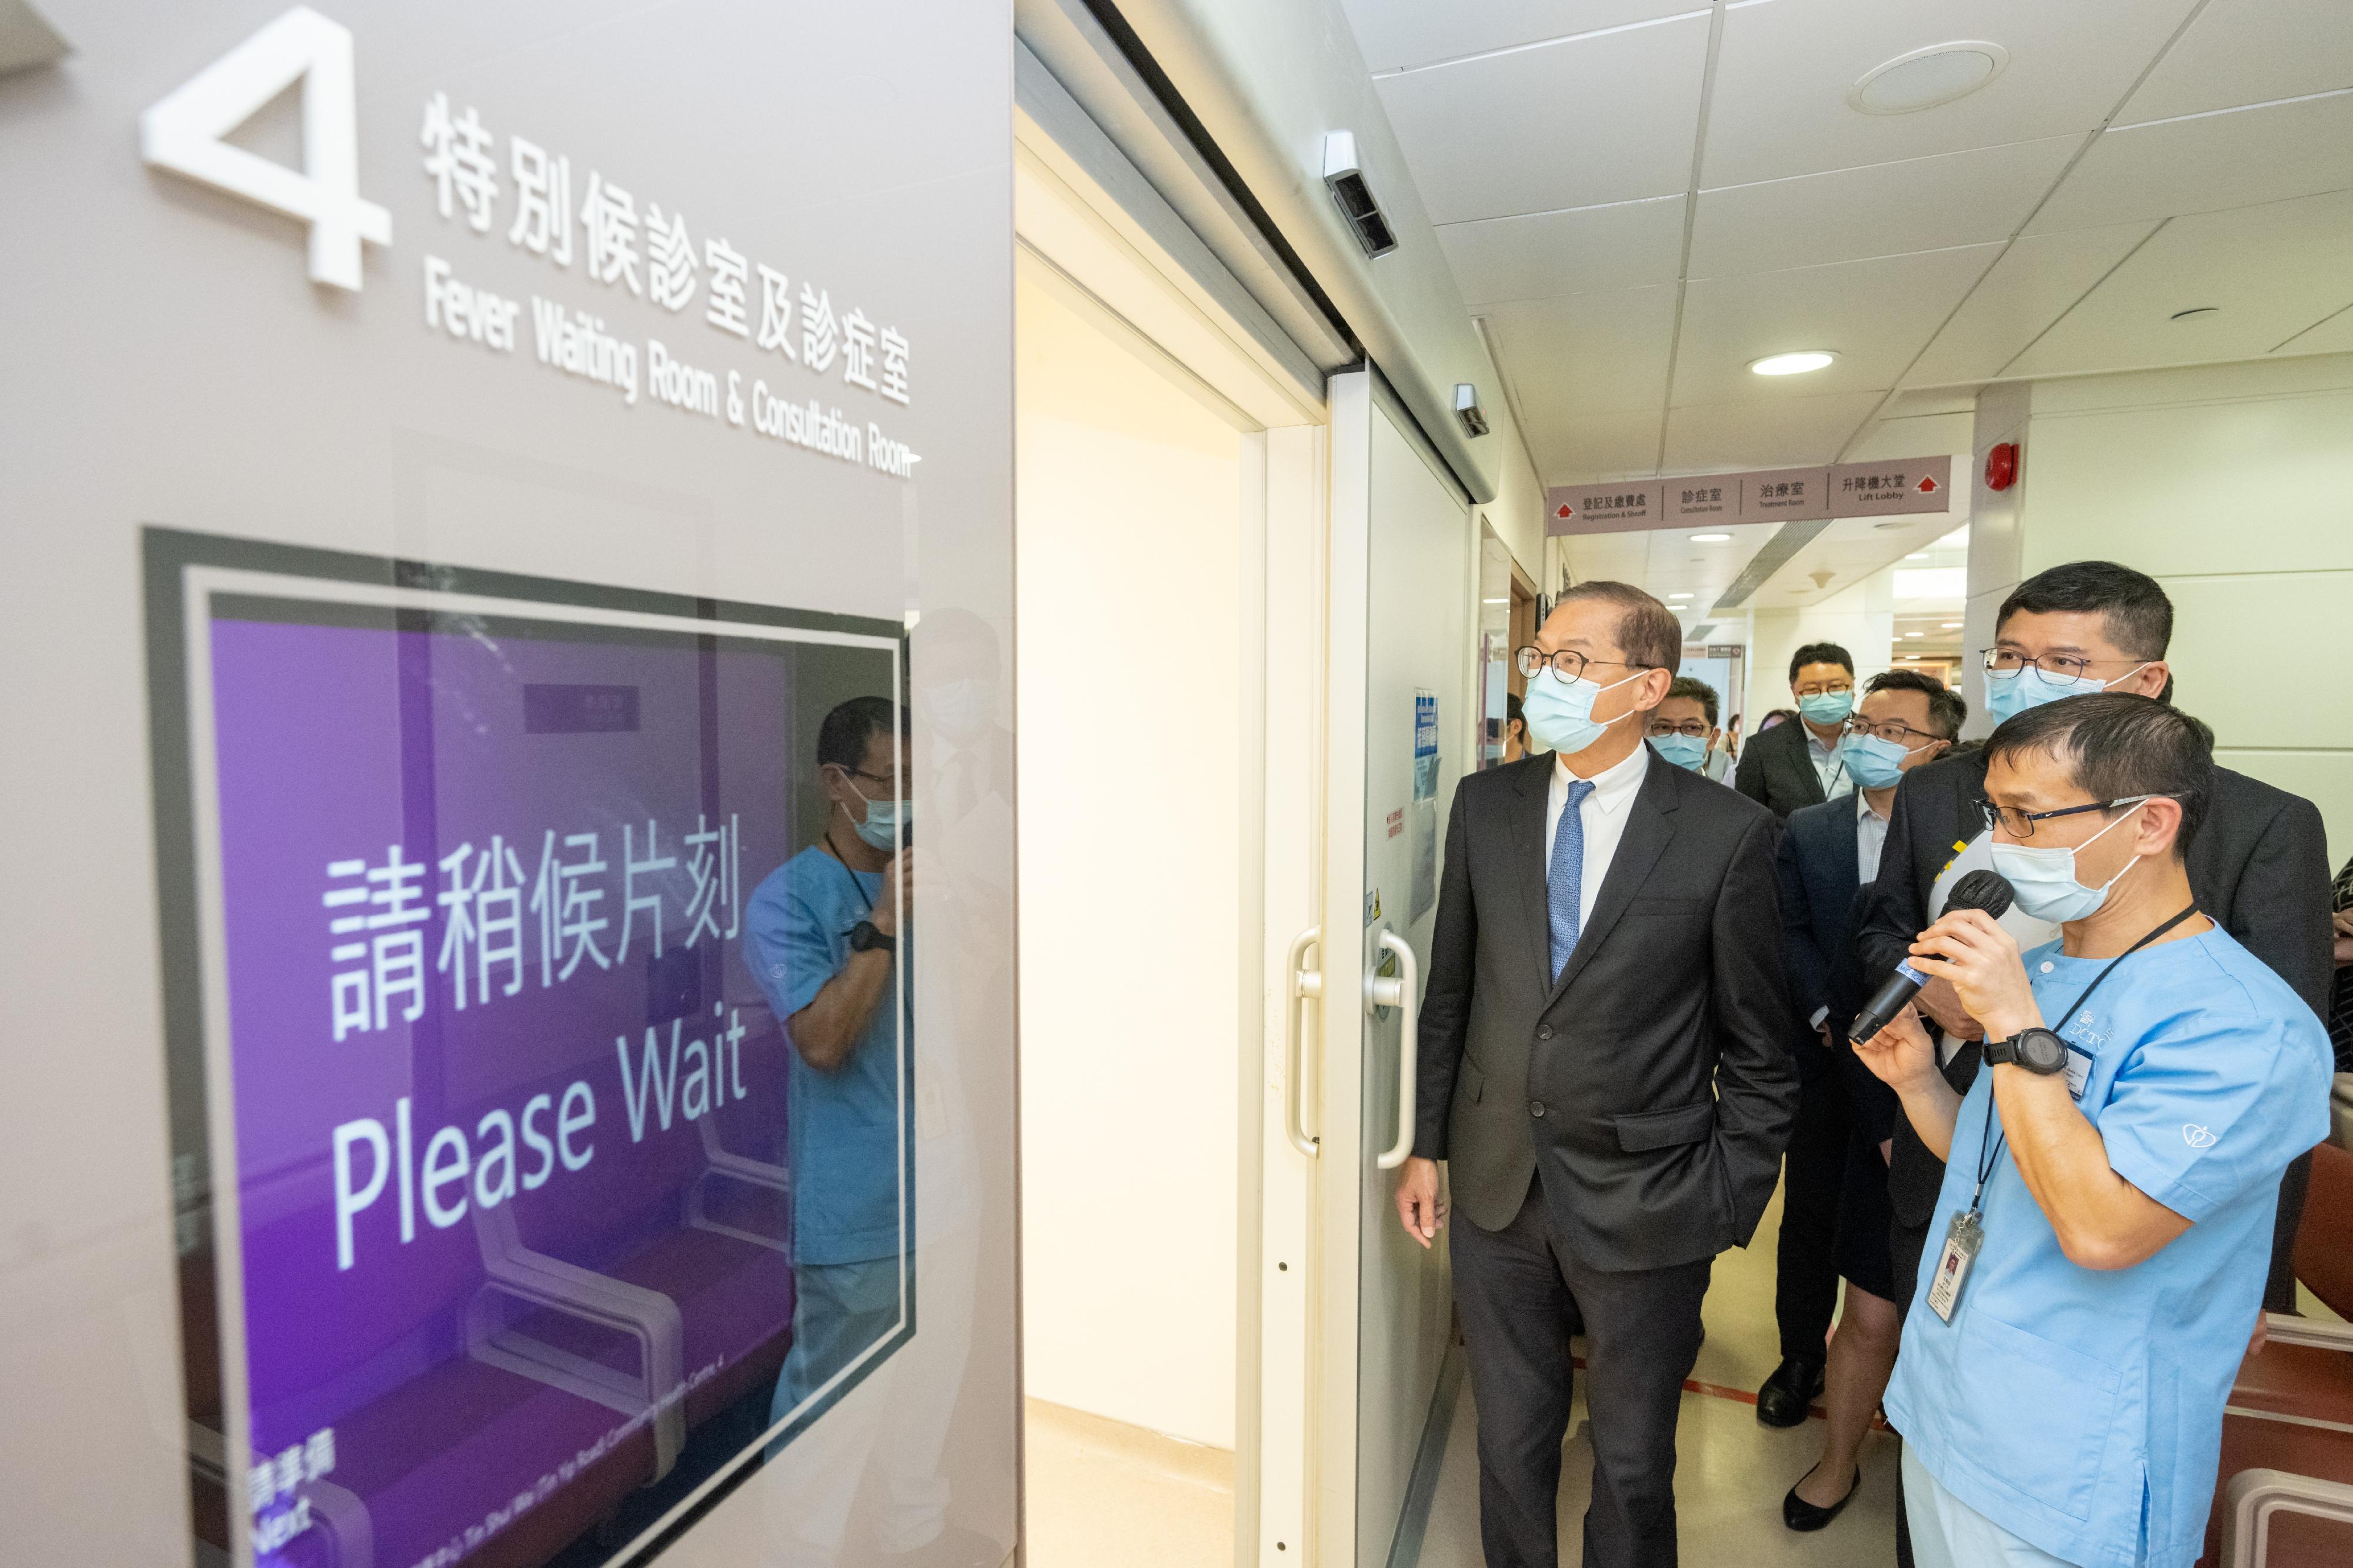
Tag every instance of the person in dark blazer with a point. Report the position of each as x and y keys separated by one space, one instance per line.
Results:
x=1834 y=1219
x=1605 y=1068
x=1793 y=765
x=2259 y=866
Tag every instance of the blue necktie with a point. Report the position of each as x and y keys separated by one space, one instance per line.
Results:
x=1564 y=882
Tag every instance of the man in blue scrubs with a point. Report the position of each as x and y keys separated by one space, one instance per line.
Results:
x=823 y=938
x=2099 y=1260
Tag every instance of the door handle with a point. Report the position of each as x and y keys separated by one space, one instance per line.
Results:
x=1300 y=985
x=1402 y=991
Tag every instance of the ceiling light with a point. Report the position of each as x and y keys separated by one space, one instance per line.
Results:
x=1927 y=77
x=1495 y=601
x=1952 y=626
x=1916 y=634
x=1797 y=363
x=1711 y=539
x=1678 y=595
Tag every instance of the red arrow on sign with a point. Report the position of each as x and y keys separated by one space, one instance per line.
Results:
x=1927 y=486
x=1566 y=512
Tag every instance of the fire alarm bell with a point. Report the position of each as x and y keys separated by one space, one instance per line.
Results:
x=2002 y=467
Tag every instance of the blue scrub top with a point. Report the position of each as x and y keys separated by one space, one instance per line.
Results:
x=2058 y=1395
x=845 y=1128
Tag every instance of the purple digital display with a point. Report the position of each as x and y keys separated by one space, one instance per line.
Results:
x=512 y=1184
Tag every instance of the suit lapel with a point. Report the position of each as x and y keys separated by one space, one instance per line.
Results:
x=1650 y=826
x=1530 y=803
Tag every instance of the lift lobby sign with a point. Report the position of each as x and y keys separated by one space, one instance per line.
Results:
x=509 y=431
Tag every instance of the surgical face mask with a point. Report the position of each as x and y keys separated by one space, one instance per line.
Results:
x=1560 y=712
x=1827 y=707
x=2031 y=688
x=1684 y=751
x=961 y=709
x=1874 y=763
x=887 y=821
x=2044 y=879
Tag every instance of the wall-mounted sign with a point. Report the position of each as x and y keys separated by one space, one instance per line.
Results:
x=1603 y=509
x=1891 y=489
x=1784 y=495
x=1767 y=495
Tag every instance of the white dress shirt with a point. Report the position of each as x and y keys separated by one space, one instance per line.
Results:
x=1829 y=766
x=1870 y=838
x=1603 y=814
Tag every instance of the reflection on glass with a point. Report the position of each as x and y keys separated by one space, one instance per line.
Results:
x=510 y=1215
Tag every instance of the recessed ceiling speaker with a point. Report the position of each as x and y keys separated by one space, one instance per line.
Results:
x=1927 y=78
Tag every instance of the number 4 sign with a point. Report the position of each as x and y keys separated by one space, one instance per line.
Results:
x=184 y=132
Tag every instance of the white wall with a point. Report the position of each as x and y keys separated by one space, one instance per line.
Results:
x=1859 y=618
x=2232 y=485
x=1127 y=527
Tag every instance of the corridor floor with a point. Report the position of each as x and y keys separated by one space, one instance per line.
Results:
x=1731 y=1471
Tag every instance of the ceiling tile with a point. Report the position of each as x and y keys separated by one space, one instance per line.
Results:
x=1585 y=250
x=2332 y=334
x=2214 y=161
x=1883 y=209
x=1875 y=315
x=1606 y=117
x=2249 y=51
x=2272 y=271
x=1587 y=354
x=1918 y=436
x=1393 y=34
x=2037 y=281
x=1570 y=447
x=1787 y=431
x=1784 y=68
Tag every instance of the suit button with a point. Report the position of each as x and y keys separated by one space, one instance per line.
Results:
x=1545 y=1032
x=1535 y=1107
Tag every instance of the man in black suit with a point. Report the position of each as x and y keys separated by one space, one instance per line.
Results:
x=1793 y=765
x=1605 y=1067
x=1834 y=1220
x=2259 y=867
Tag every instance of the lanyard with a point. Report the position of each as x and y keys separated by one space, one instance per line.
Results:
x=855 y=885
x=1991 y=1142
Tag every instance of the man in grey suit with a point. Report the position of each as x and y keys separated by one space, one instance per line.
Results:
x=1605 y=1067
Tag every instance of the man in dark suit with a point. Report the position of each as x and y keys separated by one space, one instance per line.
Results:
x=1605 y=1067
x=1793 y=765
x=2259 y=866
x=1834 y=1221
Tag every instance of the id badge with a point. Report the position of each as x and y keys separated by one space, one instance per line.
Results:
x=2079 y=1072
x=1963 y=1240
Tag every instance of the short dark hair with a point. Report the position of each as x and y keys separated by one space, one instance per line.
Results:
x=2136 y=614
x=843 y=737
x=1820 y=653
x=2116 y=744
x=1647 y=630
x=1692 y=686
x=1513 y=714
x=1775 y=716
x=1947 y=711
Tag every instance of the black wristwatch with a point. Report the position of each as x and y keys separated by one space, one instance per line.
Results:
x=864 y=937
x=2036 y=1050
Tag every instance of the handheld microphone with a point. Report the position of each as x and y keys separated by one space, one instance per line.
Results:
x=1986 y=891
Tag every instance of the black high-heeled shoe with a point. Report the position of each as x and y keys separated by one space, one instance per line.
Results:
x=1799 y=1514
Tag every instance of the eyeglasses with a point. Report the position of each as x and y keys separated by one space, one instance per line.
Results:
x=1891 y=731
x=889 y=783
x=2020 y=823
x=1568 y=664
x=1695 y=728
x=2002 y=664
x=1816 y=687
